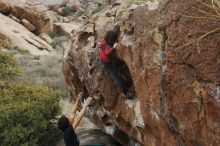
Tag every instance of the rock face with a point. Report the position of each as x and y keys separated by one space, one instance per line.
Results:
x=28 y=25
x=173 y=69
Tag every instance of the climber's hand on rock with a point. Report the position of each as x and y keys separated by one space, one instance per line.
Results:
x=80 y=95
x=115 y=45
x=87 y=101
x=116 y=23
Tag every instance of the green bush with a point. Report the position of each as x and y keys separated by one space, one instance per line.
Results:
x=139 y=2
x=26 y=110
x=25 y=113
x=55 y=43
x=9 y=68
x=52 y=34
x=21 y=50
x=68 y=11
x=80 y=13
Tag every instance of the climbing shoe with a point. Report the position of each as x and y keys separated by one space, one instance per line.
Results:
x=122 y=94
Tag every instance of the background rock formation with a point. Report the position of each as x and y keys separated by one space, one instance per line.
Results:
x=21 y=22
x=35 y=12
x=172 y=71
x=14 y=35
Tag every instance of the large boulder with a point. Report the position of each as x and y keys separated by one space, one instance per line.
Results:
x=43 y=24
x=28 y=25
x=15 y=35
x=66 y=28
x=46 y=38
x=172 y=57
x=4 y=7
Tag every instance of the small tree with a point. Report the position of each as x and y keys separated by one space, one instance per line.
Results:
x=26 y=110
x=9 y=68
x=68 y=11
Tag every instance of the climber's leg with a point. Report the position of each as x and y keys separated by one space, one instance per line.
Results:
x=110 y=68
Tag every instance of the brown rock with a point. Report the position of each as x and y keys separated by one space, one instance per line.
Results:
x=4 y=7
x=103 y=24
x=28 y=25
x=111 y=12
x=60 y=11
x=90 y=28
x=15 y=18
x=116 y=2
x=55 y=7
x=66 y=28
x=52 y=16
x=65 y=20
x=46 y=38
x=40 y=8
x=91 y=7
x=73 y=3
x=41 y=21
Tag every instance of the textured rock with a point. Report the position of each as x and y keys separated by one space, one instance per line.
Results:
x=116 y=2
x=42 y=23
x=74 y=4
x=46 y=38
x=102 y=24
x=111 y=12
x=65 y=20
x=91 y=7
x=90 y=27
x=175 y=81
x=4 y=7
x=28 y=25
x=15 y=18
x=55 y=7
x=66 y=28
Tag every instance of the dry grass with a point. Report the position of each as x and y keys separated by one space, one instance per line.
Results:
x=215 y=5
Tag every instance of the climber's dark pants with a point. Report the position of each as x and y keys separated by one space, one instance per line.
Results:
x=111 y=68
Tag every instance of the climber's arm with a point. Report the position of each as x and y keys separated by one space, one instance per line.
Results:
x=80 y=116
x=75 y=106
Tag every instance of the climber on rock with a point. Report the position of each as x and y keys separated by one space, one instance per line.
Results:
x=107 y=49
x=69 y=124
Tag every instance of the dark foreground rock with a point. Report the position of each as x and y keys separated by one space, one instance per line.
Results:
x=94 y=137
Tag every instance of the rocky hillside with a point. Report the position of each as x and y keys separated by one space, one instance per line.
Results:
x=169 y=53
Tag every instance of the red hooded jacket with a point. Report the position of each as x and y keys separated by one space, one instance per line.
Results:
x=106 y=52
